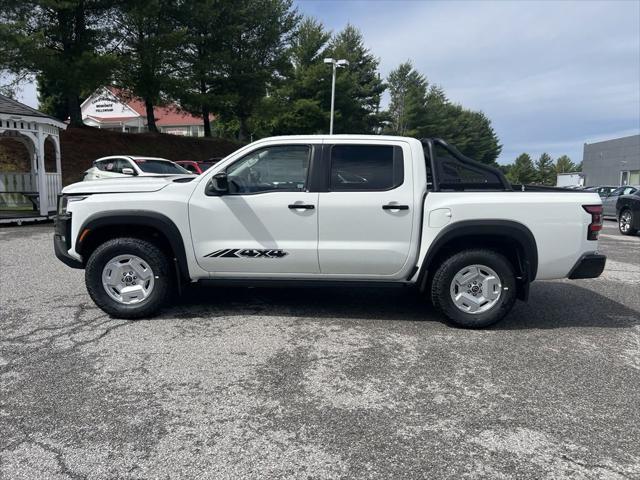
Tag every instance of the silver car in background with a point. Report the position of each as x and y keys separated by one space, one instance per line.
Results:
x=129 y=165
x=609 y=202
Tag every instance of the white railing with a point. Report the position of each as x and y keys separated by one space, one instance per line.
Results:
x=18 y=182
x=53 y=183
x=28 y=183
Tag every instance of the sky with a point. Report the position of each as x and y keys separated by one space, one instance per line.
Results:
x=551 y=75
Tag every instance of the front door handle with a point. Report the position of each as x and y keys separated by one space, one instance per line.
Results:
x=295 y=206
x=392 y=206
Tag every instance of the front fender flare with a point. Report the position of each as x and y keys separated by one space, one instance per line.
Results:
x=145 y=218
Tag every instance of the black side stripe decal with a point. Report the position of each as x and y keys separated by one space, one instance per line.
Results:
x=247 y=253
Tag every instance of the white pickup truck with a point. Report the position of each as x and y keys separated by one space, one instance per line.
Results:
x=348 y=209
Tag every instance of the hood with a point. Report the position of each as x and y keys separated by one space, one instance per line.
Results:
x=123 y=185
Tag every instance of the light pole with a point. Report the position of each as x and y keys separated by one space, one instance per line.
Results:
x=336 y=64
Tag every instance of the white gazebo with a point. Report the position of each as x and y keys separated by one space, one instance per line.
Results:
x=31 y=128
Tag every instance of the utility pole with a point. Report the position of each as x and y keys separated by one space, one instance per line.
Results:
x=335 y=65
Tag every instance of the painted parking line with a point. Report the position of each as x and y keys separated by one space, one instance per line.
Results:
x=621 y=238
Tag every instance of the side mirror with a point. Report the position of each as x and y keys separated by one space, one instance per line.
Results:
x=218 y=185
x=128 y=171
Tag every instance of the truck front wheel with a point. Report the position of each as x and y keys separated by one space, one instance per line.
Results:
x=474 y=288
x=128 y=277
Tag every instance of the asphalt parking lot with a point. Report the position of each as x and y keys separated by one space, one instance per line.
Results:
x=317 y=383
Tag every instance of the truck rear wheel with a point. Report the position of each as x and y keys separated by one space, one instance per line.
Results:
x=128 y=277
x=474 y=288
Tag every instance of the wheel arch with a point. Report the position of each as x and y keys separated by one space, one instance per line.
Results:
x=134 y=223
x=514 y=238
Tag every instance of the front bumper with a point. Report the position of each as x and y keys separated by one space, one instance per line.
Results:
x=589 y=266
x=62 y=241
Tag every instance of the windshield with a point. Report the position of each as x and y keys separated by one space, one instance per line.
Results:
x=166 y=167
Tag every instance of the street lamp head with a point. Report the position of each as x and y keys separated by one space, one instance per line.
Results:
x=342 y=63
x=329 y=60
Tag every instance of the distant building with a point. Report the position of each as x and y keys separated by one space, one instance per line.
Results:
x=112 y=108
x=571 y=179
x=612 y=162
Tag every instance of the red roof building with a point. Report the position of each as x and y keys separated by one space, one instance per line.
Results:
x=115 y=109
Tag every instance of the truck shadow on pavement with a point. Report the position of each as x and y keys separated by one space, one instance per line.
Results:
x=551 y=305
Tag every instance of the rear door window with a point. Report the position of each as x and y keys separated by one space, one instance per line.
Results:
x=366 y=167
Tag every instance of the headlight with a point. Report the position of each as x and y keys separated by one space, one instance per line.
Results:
x=65 y=200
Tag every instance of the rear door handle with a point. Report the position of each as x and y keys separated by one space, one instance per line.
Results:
x=391 y=206
x=295 y=206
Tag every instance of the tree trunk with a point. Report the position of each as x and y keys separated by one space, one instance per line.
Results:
x=75 y=114
x=243 y=132
x=151 y=119
x=207 y=123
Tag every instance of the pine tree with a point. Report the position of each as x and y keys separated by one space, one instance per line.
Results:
x=408 y=90
x=471 y=132
x=522 y=171
x=149 y=40
x=257 y=55
x=545 y=170
x=565 y=165
x=358 y=86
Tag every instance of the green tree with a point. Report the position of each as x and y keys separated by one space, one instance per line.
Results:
x=301 y=102
x=200 y=85
x=66 y=43
x=257 y=55
x=408 y=90
x=471 y=132
x=297 y=104
x=50 y=98
x=149 y=37
x=565 y=165
x=358 y=86
x=545 y=170
x=522 y=171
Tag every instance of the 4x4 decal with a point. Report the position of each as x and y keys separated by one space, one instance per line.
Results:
x=247 y=253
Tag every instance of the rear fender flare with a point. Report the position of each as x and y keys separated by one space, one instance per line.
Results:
x=503 y=229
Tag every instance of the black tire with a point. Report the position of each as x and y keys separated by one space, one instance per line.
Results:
x=445 y=273
x=631 y=230
x=147 y=251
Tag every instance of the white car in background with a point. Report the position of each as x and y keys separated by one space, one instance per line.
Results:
x=128 y=165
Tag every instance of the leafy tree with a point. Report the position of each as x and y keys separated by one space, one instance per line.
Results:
x=65 y=40
x=565 y=165
x=259 y=36
x=545 y=170
x=522 y=171
x=408 y=90
x=149 y=40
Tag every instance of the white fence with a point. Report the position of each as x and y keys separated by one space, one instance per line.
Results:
x=28 y=183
